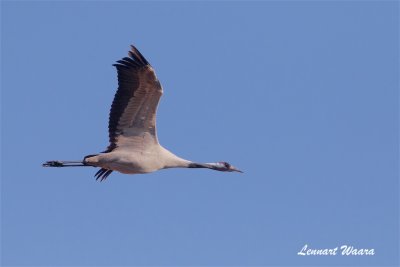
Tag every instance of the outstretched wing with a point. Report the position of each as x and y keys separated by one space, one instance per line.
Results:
x=132 y=120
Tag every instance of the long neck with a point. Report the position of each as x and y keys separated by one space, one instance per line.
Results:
x=170 y=160
x=173 y=161
x=201 y=165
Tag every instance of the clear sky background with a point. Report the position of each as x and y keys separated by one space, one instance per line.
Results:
x=302 y=96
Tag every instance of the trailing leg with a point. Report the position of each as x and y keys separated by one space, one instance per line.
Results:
x=59 y=163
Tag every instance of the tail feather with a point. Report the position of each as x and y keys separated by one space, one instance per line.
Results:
x=102 y=174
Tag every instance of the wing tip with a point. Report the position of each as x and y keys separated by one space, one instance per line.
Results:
x=134 y=61
x=135 y=53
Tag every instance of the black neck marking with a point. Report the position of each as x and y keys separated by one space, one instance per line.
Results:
x=197 y=165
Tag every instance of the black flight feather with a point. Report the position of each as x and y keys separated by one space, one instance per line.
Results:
x=128 y=82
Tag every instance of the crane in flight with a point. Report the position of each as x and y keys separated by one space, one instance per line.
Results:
x=134 y=147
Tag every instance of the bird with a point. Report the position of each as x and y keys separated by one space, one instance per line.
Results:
x=133 y=144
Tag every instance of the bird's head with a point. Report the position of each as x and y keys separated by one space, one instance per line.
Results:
x=224 y=167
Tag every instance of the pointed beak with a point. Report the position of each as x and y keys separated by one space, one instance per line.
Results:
x=234 y=169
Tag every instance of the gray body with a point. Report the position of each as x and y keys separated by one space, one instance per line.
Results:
x=132 y=162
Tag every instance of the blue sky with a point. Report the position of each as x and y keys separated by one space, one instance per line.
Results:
x=301 y=95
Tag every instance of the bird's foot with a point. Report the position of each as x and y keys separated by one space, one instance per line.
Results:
x=53 y=163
